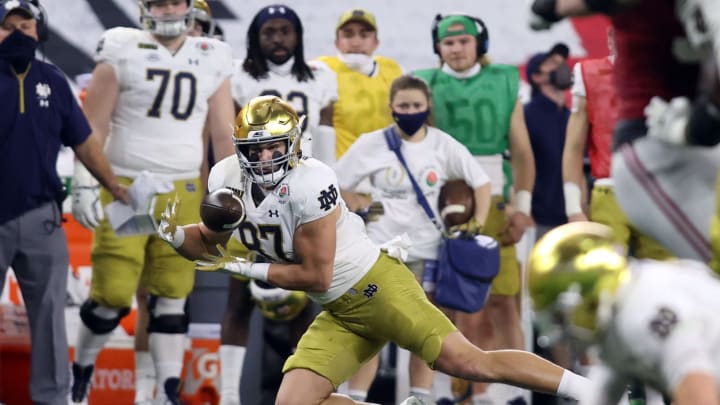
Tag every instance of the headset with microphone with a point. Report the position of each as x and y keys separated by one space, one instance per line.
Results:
x=40 y=18
x=482 y=38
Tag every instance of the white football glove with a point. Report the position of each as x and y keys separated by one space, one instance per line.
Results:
x=86 y=207
x=668 y=121
x=168 y=229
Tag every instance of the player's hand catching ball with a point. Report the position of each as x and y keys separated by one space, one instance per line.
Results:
x=168 y=230
x=235 y=266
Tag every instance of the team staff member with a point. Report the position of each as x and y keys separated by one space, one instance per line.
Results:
x=363 y=78
x=39 y=114
x=433 y=157
x=477 y=102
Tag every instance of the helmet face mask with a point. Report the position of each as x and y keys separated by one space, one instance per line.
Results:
x=166 y=26
x=262 y=122
x=575 y=271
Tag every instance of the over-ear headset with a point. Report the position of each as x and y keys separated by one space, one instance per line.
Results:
x=482 y=38
x=40 y=18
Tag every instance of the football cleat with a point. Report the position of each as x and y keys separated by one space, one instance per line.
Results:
x=82 y=377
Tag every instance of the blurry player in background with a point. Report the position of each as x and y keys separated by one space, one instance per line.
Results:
x=652 y=321
x=591 y=124
x=667 y=189
x=294 y=215
x=275 y=65
x=203 y=26
x=150 y=94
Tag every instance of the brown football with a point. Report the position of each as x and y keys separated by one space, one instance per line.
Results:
x=456 y=202
x=222 y=210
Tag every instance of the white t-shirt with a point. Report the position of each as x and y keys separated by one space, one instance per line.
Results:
x=665 y=325
x=433 y=161
x=307 y=97
x=308 y=192
x=162 y=105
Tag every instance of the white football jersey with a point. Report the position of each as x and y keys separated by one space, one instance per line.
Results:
x=432 y=161
x=307 y=98
x=161 y=109
x=664 y=325
x=308 y=192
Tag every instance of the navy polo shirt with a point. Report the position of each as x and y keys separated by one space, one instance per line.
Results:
x=546 y=124
x=38 y=115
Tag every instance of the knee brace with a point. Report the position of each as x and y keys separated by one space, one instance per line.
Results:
x=168 y=315
x=100 y=319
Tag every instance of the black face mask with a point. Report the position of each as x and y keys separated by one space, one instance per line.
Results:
x=411 y=123
x=561 y=78
x=18 y=50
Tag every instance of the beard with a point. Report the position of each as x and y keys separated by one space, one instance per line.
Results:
x=279 y=59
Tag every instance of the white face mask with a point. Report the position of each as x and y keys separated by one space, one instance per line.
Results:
x=358 y=62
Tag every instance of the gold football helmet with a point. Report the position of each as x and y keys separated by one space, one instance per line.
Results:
x=576 y=268
x=166 y=26
x=276 y=303
x=265 y=120
x=203 y=14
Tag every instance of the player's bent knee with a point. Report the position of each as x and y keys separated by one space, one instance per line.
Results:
x=168 y=315
x=100 y=319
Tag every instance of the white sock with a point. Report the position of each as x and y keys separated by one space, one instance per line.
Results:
x=144 y=376
x=482 y=399
x=88 y=345
x=231 y=362
x=423 y=395
x=358 y=395
x=168 y=350
x=573 y=385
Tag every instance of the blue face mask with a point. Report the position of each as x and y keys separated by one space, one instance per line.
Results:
x=18 y=50
x=411 y=123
